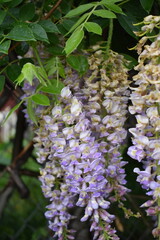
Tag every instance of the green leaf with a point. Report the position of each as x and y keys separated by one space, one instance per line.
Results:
x=21 y=32
x=5 y=46
x=65 y=6
x=79 y=10
x=132 y=61
x=20 y=79
x=55 y=87
x=2 y=82
x=67 y=24
x=61 y=71
x=78 y=63
x=74 y=40
x=31 y=112
x=41 y=75
x=56 y=51
x=81 y=19
x=14 y=3
x=110 y=1
x=2 y=15
x=11 y=111
x=114 y=8
x=147 y=4
x=13 y=71
x=127 y=23
x=28 y=72
x=39 y=32
x=50 y=63
x=48 y=26
x=104 y=13
x=41 y=99
x=93 y=27
x=23 y=61
x=22 y=49
x=2 y=1
x=27 y=11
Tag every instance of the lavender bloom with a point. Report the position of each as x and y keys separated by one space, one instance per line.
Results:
x=146 y=105
x=79 y=141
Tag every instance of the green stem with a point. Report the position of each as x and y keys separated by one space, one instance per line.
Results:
x=40 y=62
x=2 y=40
x=16 y=60
x=10 y=14
x=57 y=70
x=125 y=1
x=110 y=33
x=38 y=58
x=89 y=15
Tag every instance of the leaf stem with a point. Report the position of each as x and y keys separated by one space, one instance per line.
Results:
x=110 y=33
x=125 y=1
x=57 y=70
x=40 y=62
x=2 y=40
x=10 y=14
x=38 y=57
x=16 y=60
x=90 y=13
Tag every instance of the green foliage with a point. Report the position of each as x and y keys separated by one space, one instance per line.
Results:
x=147 y=4
x=74 y=41
x=93 y=27
x=54 y=88
x=13 y=71
x=39 y=32
x=104 y=13
x=2 y=82
x=41 y=99
x=79 y=63
x=79 y=10
x=29 y=71
x=49 y=26
x=2 y=15
x=11 y=111
x=5 y=46
x=31 y=112
x=21 y=32
x=27 y=11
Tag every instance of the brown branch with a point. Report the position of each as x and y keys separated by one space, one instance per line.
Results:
x=23 y=155
x=52 y=10
x=18 y=139
x=4 y=197
x=29 y=173
x=21 y=186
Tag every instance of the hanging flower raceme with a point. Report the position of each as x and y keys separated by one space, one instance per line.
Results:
x=146 y=107
x=78 y=142
x=107 y=107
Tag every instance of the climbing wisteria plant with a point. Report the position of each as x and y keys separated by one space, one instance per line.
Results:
x=81 y=80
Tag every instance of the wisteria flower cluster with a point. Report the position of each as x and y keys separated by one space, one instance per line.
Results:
x=78 y=142
x=145 y=99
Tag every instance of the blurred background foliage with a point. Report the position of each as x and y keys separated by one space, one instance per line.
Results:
x=31 y=27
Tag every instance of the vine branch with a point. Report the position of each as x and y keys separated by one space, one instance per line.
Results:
x=52 y=9
x=110 y=33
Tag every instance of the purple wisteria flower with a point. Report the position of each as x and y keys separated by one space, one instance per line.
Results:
x=146 y=105
x=78 y=141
